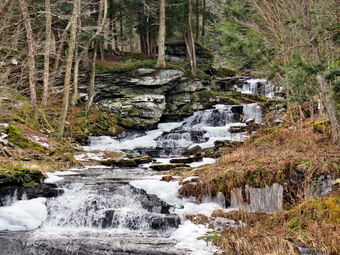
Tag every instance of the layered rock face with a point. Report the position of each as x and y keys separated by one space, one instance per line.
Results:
x=144 y=96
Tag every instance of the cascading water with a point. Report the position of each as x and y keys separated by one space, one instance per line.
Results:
x=100 y=212
x=203 y=128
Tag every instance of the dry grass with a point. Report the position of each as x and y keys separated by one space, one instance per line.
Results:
x=313 y=224
x=197 y=218
x=285 y=155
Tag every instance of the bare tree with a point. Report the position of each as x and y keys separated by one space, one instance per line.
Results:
x=31 y=60
x=189 y=41
x=198 y=28
x=100 y=26
x=47 y=52
x=161 y=36
x=69 y=62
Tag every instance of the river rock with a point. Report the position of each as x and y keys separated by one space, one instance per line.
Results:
x=185 y=160
x=166 y=167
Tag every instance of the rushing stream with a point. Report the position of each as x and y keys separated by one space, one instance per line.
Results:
x=103 y=210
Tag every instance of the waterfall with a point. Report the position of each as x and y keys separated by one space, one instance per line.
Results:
x=261 y=87
x=203 y=128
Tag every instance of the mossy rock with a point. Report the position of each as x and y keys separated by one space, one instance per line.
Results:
x=230 y=101
x=206 y=95
x=131 y=59
x=123 y=162
x=166 y=167
x=16 y=139
x=20 y=176
x=121 y=68
x=226 y=72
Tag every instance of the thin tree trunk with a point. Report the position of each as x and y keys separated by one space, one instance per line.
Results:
x=161 y=36
x=100 y=24
x=204 y=21
x=198 y=29
x=31 y=60
x=58 y=57
x=77 y=59
x=91 y=90
x=325 y=89
x=70 y=54
x=190 y=42
x=47 y=53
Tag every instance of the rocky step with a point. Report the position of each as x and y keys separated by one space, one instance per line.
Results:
x=127 y=162
x=166 y=167
x=135 y=220
x=21 y=243
x=185 y=160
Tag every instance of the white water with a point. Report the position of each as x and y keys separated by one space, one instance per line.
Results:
x=261 y=87
x=203 y=128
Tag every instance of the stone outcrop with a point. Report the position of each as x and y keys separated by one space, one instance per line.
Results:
x=144 y=96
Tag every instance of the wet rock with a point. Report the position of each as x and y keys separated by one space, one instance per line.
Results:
x=192 y=151
x=185 y=160
x=167 y=178
x=143 y=160
x=124 y=162
x=166 y=167
x=10 y=193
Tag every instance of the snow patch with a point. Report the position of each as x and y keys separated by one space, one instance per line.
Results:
x=23 y=215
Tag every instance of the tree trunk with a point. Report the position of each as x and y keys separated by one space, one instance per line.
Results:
x=325 y=89
x=77 y=59
x=69 y=61
x=198 y=29
x=47 y=52
x=58 y=57
x=204 y=21
x=31 y=60
x=190 y=42
x=91 y=90
x=161 y=36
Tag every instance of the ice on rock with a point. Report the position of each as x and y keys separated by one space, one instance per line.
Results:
x=23 y=215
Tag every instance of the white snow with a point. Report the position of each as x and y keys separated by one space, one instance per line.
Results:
x=89 y=156
x=40 y=140
x=55 y=176
x=107 y=143
x=23 y=215
x=186 y=236
x=205 y=161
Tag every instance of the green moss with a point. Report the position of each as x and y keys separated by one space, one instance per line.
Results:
x=16 y=139
x=130 y=59
x=7 y=53
x=205 y=95
x=229 y=101
x=202 y=75
x=120 y=68
x=321 y=126
x=177 y=67
x=226 y=72
x=129 y=111
x=20 y=176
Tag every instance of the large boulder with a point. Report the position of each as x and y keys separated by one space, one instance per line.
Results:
x=144 y=96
